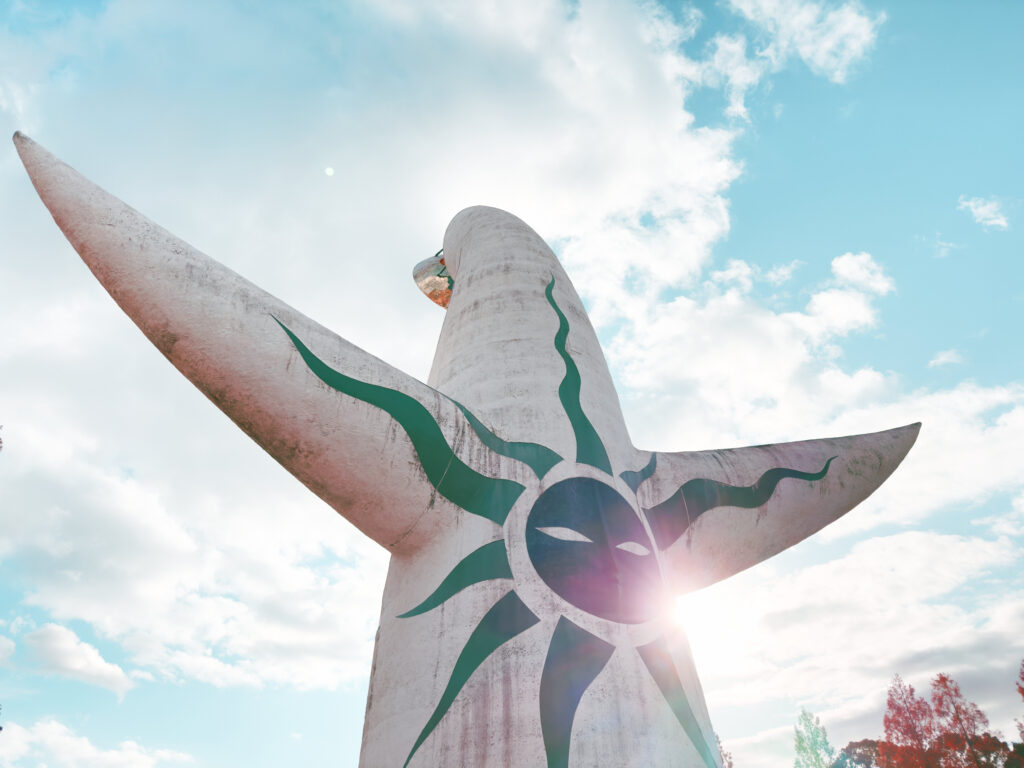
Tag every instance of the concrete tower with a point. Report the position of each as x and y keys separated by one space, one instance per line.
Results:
x=534 y=550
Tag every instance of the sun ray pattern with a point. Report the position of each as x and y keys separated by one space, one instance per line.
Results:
x=487 y=497
x=591 y=551
x=537 y=457
x=589 y=448
x=658 y=660
x=575 y=657
x=506 y=619
x=670 y=519
x=484 y=564
x=635 y=479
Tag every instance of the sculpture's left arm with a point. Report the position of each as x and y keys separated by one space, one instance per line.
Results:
x=365 y=437
x=715 y=513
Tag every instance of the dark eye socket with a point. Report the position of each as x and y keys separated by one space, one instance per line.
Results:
x=633 y=547
x=564 y=534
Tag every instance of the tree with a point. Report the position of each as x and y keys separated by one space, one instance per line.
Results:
x=1020 y=690
x=812 y=747
x=962 y=729
x=858 y=754
x=1016 y=757
x=726 y=756
x=951 y=732
x=909 y=730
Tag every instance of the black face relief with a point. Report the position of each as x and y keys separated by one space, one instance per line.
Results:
x=587 y=543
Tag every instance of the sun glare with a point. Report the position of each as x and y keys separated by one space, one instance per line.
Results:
x=711 y=627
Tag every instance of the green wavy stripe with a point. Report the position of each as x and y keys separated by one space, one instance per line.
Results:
x=670 y=519
x=635 y=478
x=575 y=657
x=537 y=457
x=659 y=663
x=487 y=497
x=506 y=619
x=488 y=562
x=589 y=449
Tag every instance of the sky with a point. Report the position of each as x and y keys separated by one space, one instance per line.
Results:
x=788 y=219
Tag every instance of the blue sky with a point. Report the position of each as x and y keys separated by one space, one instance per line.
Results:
x=789 y=219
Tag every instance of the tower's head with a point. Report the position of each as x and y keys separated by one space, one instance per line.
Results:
x=433 y=278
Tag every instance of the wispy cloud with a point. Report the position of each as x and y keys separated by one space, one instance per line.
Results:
x=881 y=607
x=830 y=42
x=944 y=247
x=946 y=357
x=862 y=271
x=63 y=653
x=1008 y=523
x=985 y=211
x=6 y=649
x=50 y=742
x=728 y=65
x=940 y=248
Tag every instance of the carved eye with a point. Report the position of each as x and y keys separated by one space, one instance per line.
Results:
x=633 y=547
x=564 y=534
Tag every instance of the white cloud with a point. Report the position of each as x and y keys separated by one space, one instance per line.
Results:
x=6 y=649
x=13 y=100
x=728 y=66
x=946 y=357
x=174 y=537
x=737 y=273
x=759 y=375
x=944 y=247
x=1009 y=523
x=782 y=273
x=986 y=212
x=861 y=271
x=20 y=624
x=689 y=351
x=770 y=747
x=829 y=41
x=62 y=653
x=964 y=456
x=837 y=312
x=218 y=592
x=51 y=743
x=743 y=275
x=831 y=636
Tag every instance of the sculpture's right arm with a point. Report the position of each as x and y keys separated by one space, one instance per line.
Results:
x=225 y=335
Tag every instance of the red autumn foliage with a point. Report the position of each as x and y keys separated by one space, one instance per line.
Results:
x=950 y=732
x=909 y=730
x=1016 y=760
x=963 y=728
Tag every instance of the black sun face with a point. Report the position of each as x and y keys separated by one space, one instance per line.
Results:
x=583 y=539
x=588 y=545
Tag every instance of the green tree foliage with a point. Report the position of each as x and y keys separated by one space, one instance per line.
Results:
x=858 y=754
x=811 y=741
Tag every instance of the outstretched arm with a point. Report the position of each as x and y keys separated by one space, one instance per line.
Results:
x=715 y=513
x=257 y=359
